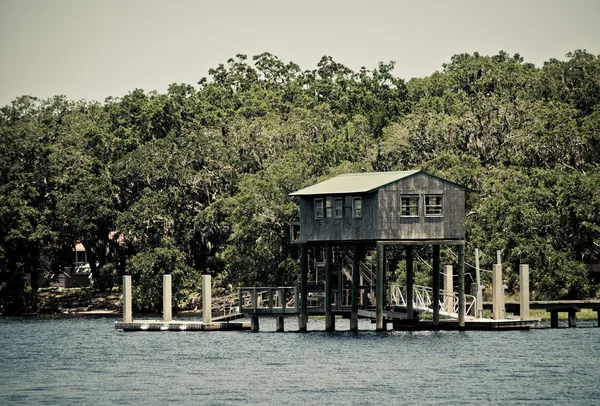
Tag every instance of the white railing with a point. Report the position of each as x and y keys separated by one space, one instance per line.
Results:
x=423 y=300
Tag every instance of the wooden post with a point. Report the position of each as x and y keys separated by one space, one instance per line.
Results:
x=240 y=300
x=303 y=317
x=524 y=291
x=206 y=299
x=254 y=325
x=448 y=288
x=461 y=286
x=329 y=317
x=355 y=289
x=572 y=318
x=167 y=299
x=127 y=313
x=554 y=318
x=380 y=289
x=598 y=315
x=436 y=285
x=280 y=324
x=409 y=283
x=479 y=313
x=497 y=292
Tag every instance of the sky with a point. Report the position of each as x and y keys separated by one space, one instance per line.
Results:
x=94 y=49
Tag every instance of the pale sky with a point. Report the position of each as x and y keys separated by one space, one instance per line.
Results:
x=92 y=49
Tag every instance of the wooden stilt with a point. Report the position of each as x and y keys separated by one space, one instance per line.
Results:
x=280 y=324
x=554 y=318
x=409 y=282
x=254 y=323
x=436 y=285
x=329 y=317
x=380 y=289
x=598 y=313
x=572 y=318
x=355 y=289
x=303 y=317
x=461 y=286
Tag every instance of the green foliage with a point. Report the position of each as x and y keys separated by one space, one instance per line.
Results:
x=197 y=180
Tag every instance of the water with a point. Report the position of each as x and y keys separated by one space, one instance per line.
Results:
x=87 y=361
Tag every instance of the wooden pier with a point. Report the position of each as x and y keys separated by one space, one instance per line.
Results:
x=167 y=323
x=572 y=307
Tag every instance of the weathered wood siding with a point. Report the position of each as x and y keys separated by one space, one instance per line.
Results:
x=336 y=229
x=392 y=226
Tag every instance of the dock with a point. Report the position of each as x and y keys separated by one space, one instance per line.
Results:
x=159 y=325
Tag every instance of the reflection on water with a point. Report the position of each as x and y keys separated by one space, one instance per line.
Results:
x=79 y=361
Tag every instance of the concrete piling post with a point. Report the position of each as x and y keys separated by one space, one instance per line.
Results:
x=497 y=292
x=206 y=299
x=524 y=291
x=479 y=313
x=436 y=285
x=254 y=324
x=167 y=298
x=127 y=313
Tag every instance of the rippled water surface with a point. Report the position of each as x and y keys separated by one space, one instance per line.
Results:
x=87 y=361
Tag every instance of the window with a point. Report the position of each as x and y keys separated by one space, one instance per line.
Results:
x=357 y=207
x=318 y=209
x=328 y=208
x=338 y=208
x=433 y=205
x=410 y=206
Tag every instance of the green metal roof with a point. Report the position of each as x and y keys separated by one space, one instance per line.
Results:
x=354 y=183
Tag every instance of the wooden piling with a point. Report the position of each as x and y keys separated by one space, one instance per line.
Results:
x=572 y=318
x=167 y=299
x=524 y=291
x=355 y=289
x=127 y=313
x=409 y=283
x=379 y=289
x=329 y=317
x=436 y=285
x=206 y=299
x=303 y=316
x=280 y=324
x=554 y=318
x=461 y=286
x=254 y=325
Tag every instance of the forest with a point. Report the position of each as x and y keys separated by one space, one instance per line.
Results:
x=196 y=180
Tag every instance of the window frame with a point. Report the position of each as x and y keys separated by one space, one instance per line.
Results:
x=417 y=205
x=317 y=201
x=341 y=207
x=439 y=206
x=328 y=207
x=354 y=200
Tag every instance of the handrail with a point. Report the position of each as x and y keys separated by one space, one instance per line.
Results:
x=423 y=299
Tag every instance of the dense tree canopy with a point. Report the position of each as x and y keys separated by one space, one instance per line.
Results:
x=196 y=180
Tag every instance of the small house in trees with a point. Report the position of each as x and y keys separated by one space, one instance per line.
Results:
x=357 y=212
x=406 y=207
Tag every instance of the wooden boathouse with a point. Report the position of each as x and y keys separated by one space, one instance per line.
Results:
x=382 y=211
